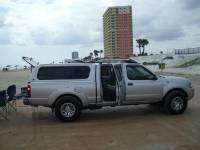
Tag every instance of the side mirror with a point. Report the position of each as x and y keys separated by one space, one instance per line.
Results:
x=155 y=77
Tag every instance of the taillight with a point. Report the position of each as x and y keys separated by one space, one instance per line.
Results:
x=29 y=91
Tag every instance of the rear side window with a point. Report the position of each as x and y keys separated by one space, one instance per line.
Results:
x=63 y=72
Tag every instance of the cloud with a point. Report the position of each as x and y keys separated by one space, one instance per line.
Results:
x=4 y=36
x=78 y=24
x=54 y=22
x=158 y=22
x=166 y=34
x=32 y=2
x=189 y=4
x=2 y=16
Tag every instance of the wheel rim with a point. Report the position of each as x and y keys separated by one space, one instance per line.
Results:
x=67 y=110
x=177 y=103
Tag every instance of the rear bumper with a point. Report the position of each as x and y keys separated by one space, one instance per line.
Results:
x=26 y=101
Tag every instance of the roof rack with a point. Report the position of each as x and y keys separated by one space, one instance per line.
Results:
x=106 y=61
x=116 y=61
x=74 y=61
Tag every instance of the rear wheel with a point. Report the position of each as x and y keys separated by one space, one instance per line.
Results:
x=175 y=102
x=67 y=109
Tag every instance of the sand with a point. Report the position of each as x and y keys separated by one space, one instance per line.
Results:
x=133 y=127
x=13 y=77
x=171 y=63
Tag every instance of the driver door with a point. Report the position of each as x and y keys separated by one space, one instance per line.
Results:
x=142 y=85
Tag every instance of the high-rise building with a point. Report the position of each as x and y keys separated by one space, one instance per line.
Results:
x=118 y=35
x=75 y=55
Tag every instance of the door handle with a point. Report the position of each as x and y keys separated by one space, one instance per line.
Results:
x=130 y=84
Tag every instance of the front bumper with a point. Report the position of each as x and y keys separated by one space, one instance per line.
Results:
x=191 y=93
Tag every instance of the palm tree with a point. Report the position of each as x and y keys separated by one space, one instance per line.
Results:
x=91 y=54
x=87 y=58
x=25 y=67
x=101 y=52
x=142 y=43
x=145 y=42
x=16 y=66
x=8 y=67
x=96 y=52
x=139 y=41
x=84 y=58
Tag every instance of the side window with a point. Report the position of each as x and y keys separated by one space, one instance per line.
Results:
x=63 y=72
x=138 y=73
x=108 y=74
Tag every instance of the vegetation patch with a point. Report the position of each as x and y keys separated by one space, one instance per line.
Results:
x=195 y=61
x=151 y=63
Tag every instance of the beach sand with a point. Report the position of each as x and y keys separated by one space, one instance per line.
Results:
x=132 y=127
x=13 y=77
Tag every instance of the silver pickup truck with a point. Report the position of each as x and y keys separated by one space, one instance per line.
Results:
x=69 y=88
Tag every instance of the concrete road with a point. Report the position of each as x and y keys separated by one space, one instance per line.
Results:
x=134 y=127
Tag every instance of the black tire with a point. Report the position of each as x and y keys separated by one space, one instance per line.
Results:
x=175 y=102
x=72 y=105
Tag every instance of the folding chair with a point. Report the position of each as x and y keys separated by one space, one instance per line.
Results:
x=3 y=106
x=11 y=93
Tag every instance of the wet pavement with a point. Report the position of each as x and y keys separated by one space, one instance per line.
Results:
x=132 y=127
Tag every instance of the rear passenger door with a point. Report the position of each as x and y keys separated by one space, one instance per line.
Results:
x=142 y=85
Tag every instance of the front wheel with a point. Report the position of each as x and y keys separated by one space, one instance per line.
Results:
x=67 y=109
x=175 y=102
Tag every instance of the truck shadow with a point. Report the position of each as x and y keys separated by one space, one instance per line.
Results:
x=41 y=116
x=121 y=113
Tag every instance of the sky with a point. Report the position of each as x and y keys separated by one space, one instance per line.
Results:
x=49 y=30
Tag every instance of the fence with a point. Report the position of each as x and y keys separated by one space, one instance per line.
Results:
x=187 y=51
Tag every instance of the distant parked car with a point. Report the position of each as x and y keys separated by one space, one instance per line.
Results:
x=5 y=69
